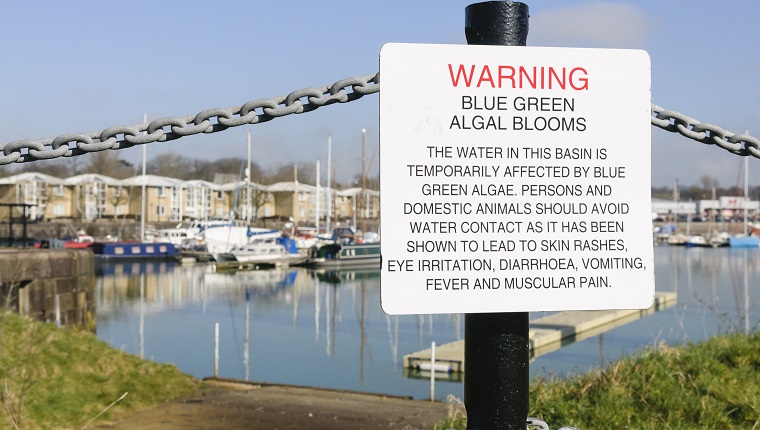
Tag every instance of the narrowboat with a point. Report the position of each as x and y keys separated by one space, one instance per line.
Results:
x=345 y=255
x=134 y=250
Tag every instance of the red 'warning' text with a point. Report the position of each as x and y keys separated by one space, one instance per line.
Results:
x=519 y=77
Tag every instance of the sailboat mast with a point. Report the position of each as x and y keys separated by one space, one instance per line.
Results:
x=364 y=188
x=248 y=181
x=746 y=190
x=317 y=199
x=675 y=199
x=335 y=188
x=142 y=205
x=329 y=208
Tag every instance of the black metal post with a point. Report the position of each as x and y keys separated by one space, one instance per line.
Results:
x=496 y=346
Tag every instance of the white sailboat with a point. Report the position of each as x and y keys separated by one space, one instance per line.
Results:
x=222 y=240
x=277 y=252
x=749 y=238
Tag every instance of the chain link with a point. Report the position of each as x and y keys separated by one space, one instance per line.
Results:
x=207 y=121
x=709 y=134
x=218 y=119
x=537 y=424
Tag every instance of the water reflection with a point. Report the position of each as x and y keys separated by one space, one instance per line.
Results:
x=717 y=294
x=326 y=328
x=291 y=326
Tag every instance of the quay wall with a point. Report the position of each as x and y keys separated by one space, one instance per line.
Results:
x=32 y=280
x=705 y=227
x=124 y=229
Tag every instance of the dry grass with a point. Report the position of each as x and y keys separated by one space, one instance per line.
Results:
x=59 y=378
x=711 y=385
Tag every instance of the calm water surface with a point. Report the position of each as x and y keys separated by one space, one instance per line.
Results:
x=304 y=327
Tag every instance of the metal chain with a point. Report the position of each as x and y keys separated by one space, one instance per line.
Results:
x=537 y=424
x=739 y=144
x=207 y=121
x=170 y=128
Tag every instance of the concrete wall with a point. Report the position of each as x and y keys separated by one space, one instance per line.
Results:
x=35 y=277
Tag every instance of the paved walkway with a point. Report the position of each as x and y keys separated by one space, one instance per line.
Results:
x=228 y=405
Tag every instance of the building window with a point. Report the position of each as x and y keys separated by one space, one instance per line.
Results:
x=161 y=191
x=302 y=197
x=161 y=210
x=58 y=190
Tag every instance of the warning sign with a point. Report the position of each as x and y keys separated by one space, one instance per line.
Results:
x=514 y=179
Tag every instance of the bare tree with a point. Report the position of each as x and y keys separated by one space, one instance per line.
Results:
x=107 y=163
x=708 y=183
x=117 y=197
x=172 y=165
x=286 y=173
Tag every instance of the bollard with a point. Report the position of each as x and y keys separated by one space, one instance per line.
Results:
x=496 y=345
x=58 y=310
x=432 y=371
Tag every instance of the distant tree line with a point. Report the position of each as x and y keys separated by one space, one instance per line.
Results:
x=703 y=190
x=178 y=166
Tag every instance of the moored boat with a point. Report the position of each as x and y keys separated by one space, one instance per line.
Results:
x=345 y=255
x=273 y=252
x=751 y=236
x=186 y=231
x=718 y=240
x=221 y=240
x=81 y=240
x=195 y=249
x=748 y=241
x=134 y=250
x=678 y=239
x=696 y=241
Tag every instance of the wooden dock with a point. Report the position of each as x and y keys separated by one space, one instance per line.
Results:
x=218 y=266
x=546 y=334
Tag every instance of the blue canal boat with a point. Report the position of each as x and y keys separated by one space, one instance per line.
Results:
x=135 y=250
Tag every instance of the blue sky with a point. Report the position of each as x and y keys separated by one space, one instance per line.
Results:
x=78 y=66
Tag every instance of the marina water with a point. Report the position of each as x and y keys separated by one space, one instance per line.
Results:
x=326 y=328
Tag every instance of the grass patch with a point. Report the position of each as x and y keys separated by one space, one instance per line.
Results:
x=59 y=378
x=710 y=385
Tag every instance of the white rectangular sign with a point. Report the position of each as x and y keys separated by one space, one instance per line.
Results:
x=514 y=179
